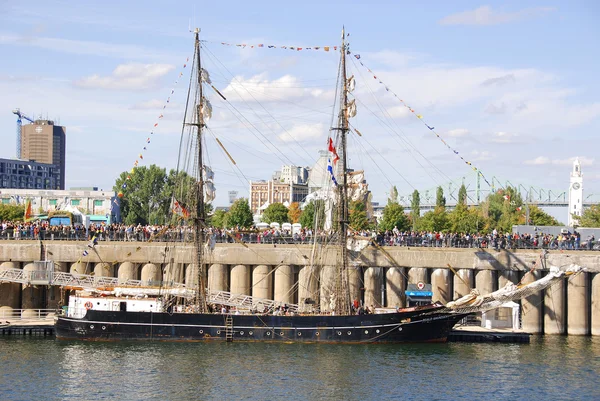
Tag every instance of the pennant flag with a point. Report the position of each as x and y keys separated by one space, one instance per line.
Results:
x=141 y=157
x=85 y=253
x=261 y=45
x=419 y=116
x=148 y=140
x=124 y=186
x=156 y=124
x=357 y=56
x=326 y=48
x=161 y=116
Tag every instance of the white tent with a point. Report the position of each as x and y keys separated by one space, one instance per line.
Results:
x=506 y=316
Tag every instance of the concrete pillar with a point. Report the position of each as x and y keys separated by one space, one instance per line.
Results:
x=10 y=293
x=191 y=276
x=578 y=305
x=151 y=272
x=284 y=284
x=127 y=271
x=104 y=270
x=218 y=277
x=506 y=276
x=80 y=268
x=262 y=282
x=555 y=309
x=327 y=287
x=308 y=288
x=532 y=306
x=395 y=285
x=595 y=304
x=31 y=296
x=463 y=282
x=240 y=280
x=53 y=295
x=373 y=284
x=173 y=273
x=485 y=281
x=416 y=274
x=355 y=282
x=441 y=285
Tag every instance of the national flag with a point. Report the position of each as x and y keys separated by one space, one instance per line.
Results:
x=180 y=209
x=333 y=151
x=28 y=213
x=330 y=169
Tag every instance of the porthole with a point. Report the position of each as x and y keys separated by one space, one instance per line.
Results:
x=317 y=334
x=299 y=334
x=201 y=331
x=250 y=333
x=281 y=333
x=349 y=332
x=339 y=333
x=103 y=327
x=241 y=333
x=92 y=326
x=377 y=331
x=399 y=328
x=268 y=333
x=218 y=331
x=366 y=331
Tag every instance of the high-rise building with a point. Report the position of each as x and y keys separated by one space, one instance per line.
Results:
x=45 y=142
x=263 y=193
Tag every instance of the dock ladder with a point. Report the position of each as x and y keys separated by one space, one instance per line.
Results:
x=229 y=328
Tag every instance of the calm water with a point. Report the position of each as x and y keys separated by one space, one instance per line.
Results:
x=549 y=368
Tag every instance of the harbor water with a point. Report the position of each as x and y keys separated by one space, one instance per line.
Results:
x=551 y=367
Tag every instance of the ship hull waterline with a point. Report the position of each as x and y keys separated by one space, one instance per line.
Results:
x=149 y=326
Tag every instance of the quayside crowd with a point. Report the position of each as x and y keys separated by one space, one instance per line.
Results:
x=156 y=233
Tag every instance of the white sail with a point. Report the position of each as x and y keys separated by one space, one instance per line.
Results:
x=210 y=191
x=205 y=76
x=351 y=84
x=209 y=175
x=206 y=109
x=352 y=108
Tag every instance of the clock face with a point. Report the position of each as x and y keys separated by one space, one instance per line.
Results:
x=576 y=185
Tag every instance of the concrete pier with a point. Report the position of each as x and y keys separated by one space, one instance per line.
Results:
x=441 y=285
x=595 y=303
x=578 y=305
x=104 y=270
x=507 y=276
x=463 y=282
x=10 y=293
x=327 y=286
x=355 y=282
x=373 y=285
x=395 y=285
x=284 y=284
x=532 y=307
x=555 y=309
x=127 y=271
x=308 y=287
x=240 y=280
x=417 y=274
x=31 y=295
x=151 y=273
x=262 y=282
x=486 y=281
x=218 y=277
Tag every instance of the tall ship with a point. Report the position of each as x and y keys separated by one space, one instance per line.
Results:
x=169 y=312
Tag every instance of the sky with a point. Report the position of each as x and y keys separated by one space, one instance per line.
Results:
x=511 y=87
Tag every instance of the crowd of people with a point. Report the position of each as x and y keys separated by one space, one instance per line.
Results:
x=159 y=233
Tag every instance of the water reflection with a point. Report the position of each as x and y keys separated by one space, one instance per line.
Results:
x=550 y=367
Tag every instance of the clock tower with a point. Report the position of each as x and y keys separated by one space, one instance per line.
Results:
x=575 y=193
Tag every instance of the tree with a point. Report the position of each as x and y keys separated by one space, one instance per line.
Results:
x=465 y=220
x=394 y=216
x=462 y=195
x=358 y=216
x=393 y=195
x=415 y=208
x=219 y=219
x=275 y=212
x=307 y=218
x=502 y=209
x=440 y=200
x=537 y=217
x=590 y=217
x=12 y=212
x=435 y=220
x=294 y=212
x=239 y=214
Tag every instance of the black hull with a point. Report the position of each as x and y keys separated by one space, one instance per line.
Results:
x=413 y=326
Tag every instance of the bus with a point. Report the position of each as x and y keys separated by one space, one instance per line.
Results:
x=62 y=217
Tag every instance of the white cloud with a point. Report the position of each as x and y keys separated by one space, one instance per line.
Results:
x=504 y=137
x=127 y=77
x=458 y=132
x=398 y=112
x=153 y=104
x=303 y=133
x=484 y=15
x=481 y=155
x=538 y=161
x=502 y=80
x=260 y=88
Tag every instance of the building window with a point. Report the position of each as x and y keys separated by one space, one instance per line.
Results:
x=97 y=203
x=52 y=202
x=75 y=202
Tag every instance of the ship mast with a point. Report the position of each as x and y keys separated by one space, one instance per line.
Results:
x=199 y=212
x=342 y=293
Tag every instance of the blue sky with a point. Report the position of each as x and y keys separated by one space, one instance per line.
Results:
x=512 y=86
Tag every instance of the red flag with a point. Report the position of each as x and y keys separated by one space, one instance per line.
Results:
x=28 y=212
x=334 y=151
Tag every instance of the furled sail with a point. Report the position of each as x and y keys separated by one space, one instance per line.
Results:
x=352 y=108
x=351 y=84
x=205 y=76
x=206 y=109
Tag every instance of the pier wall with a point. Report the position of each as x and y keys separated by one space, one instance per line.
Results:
x=272 y=271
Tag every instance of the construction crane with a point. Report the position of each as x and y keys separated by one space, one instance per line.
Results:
x=20 y=116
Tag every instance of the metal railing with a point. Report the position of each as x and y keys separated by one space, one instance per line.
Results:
x=31 y=314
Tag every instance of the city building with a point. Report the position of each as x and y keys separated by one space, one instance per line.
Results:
x=25 y=174
x=575 y=194
x=98 y=205
x=44 y=142
x=263 y=193
x=292 y=174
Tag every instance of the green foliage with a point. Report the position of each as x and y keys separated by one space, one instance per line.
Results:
x=219 y=219
x=358 y=216
x=465 y=220
x=462 y=195
x=12 y=212
x=590 y=217
x=307 y=218
x=393 y=195
x=239 y=214
x=294 y=213
x=275 y=212
x=501 y=210
x=538 y=217
x=415 y=209
x=440 y=199
x=394 y=216
x=435 y=220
